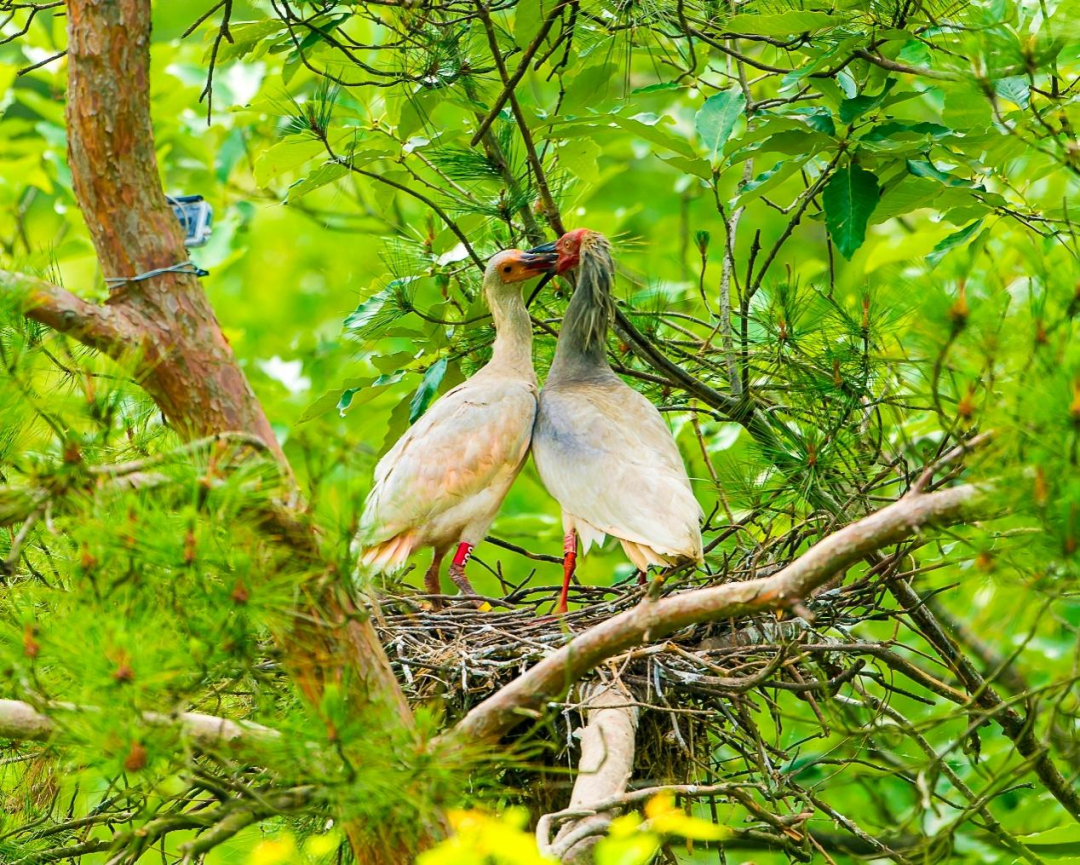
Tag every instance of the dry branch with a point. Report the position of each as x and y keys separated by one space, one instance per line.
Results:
x=652 y=619
x=22 y=722
x=607 y=761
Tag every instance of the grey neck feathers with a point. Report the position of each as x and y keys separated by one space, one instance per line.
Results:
x=582 y=346
x=512 y=352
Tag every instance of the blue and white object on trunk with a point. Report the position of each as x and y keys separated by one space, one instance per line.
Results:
x=196 y=217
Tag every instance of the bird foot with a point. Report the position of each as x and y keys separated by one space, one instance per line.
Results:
x=457 y=574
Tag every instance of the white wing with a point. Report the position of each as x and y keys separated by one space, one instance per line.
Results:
x=460 y=445
x=604 y=452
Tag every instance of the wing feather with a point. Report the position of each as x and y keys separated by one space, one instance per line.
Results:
x=456 y=450
x=604 y=452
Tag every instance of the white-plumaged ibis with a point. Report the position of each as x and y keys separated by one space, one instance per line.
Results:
x=442 y=482
x=602 y=449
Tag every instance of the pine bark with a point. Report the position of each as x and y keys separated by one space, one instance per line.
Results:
x=185 y=361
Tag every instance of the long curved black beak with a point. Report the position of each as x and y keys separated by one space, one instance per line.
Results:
x=544 y=247
x=541 y=261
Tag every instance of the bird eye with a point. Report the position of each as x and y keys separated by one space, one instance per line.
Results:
x=507 y=269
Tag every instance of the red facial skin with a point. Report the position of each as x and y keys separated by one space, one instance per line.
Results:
x=569 y=249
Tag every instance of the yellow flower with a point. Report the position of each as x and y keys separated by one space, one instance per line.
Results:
x=276 y=851
x=668 y=819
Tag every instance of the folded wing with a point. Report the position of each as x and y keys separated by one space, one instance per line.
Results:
x=604 y=452
x=473 y=436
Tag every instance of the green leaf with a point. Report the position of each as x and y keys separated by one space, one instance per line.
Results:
x=850 y=197
x=1062 y=842
x=758 y=186
x=953 y=241
x=1015 y=88
x=579 y=158
x=818 y=118
x=590 y=87
x=911 y=193
x=363 y=315
x=396 y=426
x=429 y=385
x=326 y=173
x=345 y=397
x=900 y=129
x=922 y=168
x=246 y=38
x=853 y=109
x=784 y=24
x=966 y=106
x=656 y=88
x=606 y=128
x=716 y=119
x=528 y=16
x=283 y=157
x=685 y=164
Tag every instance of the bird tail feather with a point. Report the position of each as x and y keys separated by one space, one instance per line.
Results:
x=390 y=555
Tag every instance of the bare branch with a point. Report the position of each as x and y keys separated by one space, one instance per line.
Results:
x=651 y=619
x=607 y=760
x=22 y=722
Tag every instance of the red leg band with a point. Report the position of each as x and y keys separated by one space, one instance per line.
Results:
x=461 y=557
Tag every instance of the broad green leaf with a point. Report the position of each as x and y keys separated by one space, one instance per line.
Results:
x=849 y=197
x=783 y=24
x=429 y=385
x=909 y=131
x=716 y=119
x=607 y=128
x=345 y=396
x=246 y=37
x=909 y=194
x=854 y=108
x=363 y=315
x=687 y=165
x=285 y=156
x=594 y=85
x=656 y=88
x=819 y=119
x=397 y=424
x=655 y=133
x=966 y=106
x=1060 y=843
x=326 y=173
x=760 y=185
x=528 y=16
x=579 y=158
x=953 y=241
x=922 y=168
x=1015 y=88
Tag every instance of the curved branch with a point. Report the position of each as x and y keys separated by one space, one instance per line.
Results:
x=527 y=695
x=105 y=328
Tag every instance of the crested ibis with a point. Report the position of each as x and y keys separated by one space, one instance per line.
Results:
x=601 y=448
x=442 y=482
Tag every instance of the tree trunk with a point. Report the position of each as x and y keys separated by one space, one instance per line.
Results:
x=186 y=364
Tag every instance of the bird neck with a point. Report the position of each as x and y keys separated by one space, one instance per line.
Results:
x=581 y=350
x=512 y=351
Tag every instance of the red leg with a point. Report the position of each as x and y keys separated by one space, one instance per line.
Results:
x=457 y=573
x=569 y=562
